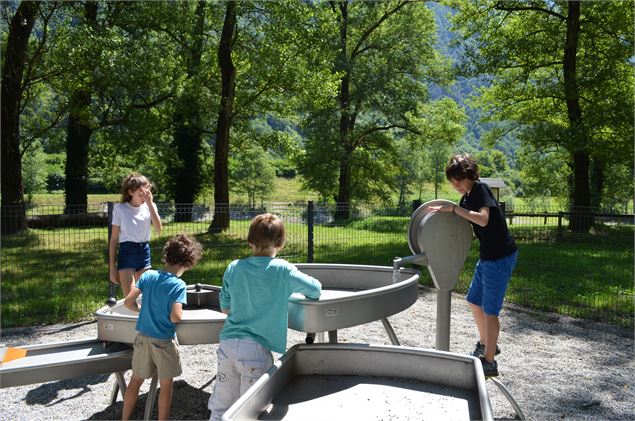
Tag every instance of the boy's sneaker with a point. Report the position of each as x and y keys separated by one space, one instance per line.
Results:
x=489 y=369
x=480 y=350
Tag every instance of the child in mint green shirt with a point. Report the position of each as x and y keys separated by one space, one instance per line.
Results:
x=255 y=296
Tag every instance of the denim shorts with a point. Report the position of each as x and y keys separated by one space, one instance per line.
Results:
x=489 y=283
x=133 y=256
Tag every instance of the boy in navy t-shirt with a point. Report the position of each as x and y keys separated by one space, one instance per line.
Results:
x=155 y=348
x=497 y=254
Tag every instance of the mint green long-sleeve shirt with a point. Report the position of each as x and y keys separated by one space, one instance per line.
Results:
x=256 y=292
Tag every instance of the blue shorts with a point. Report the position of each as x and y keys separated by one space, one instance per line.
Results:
x=133 y=256
x=489 y=283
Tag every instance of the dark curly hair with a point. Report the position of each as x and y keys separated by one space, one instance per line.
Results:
x=182 y=250
x=461 y=167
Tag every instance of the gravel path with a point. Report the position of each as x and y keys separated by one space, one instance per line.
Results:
x=553 y=370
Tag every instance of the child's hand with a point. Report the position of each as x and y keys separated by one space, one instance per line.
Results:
x=444 y=208
x=146 y=194
x=113 y=276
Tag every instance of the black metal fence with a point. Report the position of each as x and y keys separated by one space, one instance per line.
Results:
x=57 y=269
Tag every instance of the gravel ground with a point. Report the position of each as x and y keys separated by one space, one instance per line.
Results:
x=554 y=370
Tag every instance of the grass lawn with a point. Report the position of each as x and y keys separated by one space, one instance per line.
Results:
x=61 y=275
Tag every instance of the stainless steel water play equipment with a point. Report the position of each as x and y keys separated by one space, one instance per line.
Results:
x=440 y=241
x=66 y=360
x=353 y=295
x=201 y=324
x=354 y=381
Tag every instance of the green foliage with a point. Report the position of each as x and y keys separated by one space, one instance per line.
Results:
x=439 y=125
x=521 y=50
x=385 y=62
x=34 y=171
x=537 y=171
x=253 y=174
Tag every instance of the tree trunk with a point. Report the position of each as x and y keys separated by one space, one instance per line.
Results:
x=187 y=141
x=187 y=134
x=596 y=176
x=78 y=139
x=77 y=146
x=228 y=91
x=580 y=219
x=343 y=198
x=13 y=215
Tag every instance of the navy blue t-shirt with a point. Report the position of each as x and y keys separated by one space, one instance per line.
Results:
x=495 y=240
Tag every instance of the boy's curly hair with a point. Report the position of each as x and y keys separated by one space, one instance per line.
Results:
x=266 y=231
x=461 y=167
x=182 y=250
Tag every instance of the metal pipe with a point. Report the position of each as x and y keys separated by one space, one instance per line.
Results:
x=444 y=297
x=390 y=331
x=415 y=259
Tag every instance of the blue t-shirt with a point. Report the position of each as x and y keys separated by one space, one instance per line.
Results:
x=256 y=291
x=160 y=290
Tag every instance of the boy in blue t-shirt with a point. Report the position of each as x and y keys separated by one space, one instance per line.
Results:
x=255 y=296
x=155 y=348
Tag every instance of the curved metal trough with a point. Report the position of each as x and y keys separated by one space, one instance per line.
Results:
x=201 y=324
x=354 y=381
x=352 y=295
x=65 y=360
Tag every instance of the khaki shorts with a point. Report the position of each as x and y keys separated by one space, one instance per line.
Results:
x=156 y=356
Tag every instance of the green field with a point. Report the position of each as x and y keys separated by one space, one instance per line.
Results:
x=60 y=275
x=287 y=190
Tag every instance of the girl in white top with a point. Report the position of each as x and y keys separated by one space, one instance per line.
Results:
x=131 y=220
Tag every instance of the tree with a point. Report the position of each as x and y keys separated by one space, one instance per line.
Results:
x=252 y=173
x=13 y=211
x=267 y=62
x=225 y=115
x=438 y=125
x=537 y=169
x=383 y=54
x=188 y=126
x=79 y=128
x=561 y=78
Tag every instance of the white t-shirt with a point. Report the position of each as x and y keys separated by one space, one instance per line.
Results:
x=133 y=222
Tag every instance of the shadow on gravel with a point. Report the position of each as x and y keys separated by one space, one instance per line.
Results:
x=48 y=393
x=188 y=403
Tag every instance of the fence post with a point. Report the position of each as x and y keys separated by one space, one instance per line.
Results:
x=309 y=220
x=111 y=207
x=559 y=235
x=415 y=204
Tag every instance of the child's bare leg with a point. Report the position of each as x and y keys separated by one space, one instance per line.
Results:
x=492 y=328
x=126 y=280
x=165 y=398
x=130 y=398
x=479 y=319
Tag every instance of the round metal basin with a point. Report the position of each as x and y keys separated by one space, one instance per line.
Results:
x=201 y=324
x=352 y=295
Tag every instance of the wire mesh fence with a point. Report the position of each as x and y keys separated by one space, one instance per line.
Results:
x=57 y=269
